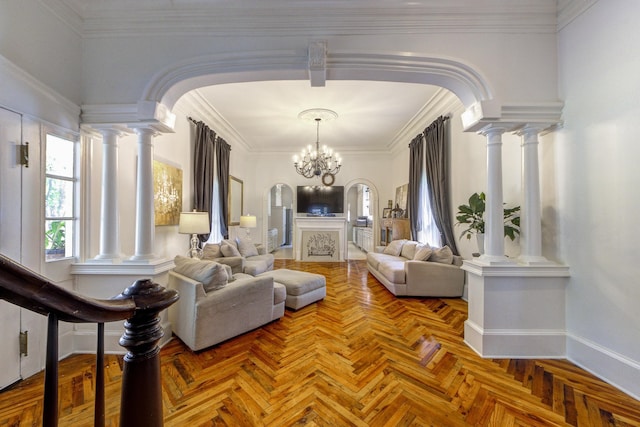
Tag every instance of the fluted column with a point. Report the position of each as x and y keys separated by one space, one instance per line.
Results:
x=494 y=213
x=109 y=210
x=530 y=214
x=145 y=220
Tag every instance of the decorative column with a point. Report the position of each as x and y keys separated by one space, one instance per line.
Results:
x=494 y=214
x=109 y=211
x=530 y=221
x=145 y=219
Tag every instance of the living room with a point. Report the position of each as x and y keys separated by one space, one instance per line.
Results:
x=587 y=63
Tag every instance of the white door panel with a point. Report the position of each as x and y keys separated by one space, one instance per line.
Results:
x=10 y=239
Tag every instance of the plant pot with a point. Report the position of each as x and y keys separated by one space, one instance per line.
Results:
x=480 y=242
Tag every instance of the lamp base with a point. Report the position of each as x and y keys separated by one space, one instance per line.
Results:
x=194 y=250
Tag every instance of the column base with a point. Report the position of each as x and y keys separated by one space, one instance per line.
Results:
x=107 y=259
x=485 y=259
x=534 y=260
x=142 y=259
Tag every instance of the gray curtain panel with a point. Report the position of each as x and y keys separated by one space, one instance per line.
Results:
x=437 y=170
x=203 y=170
x=223 y=153
x=416 y=156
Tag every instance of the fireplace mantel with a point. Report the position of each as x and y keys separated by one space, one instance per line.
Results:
x=338 y=223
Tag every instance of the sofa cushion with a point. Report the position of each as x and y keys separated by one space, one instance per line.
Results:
x=408 y=249
x=211 y=274
x=394 y=248
x=375 y=259
x=211 y=251
x=423 y=252
x=229 y=248
x=393 y=271
x=246 y=247
x=442 y=255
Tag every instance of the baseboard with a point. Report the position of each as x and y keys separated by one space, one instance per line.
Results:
x=613 y=368
x=515 y=343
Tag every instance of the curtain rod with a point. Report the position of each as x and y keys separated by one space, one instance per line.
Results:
x=192 y=120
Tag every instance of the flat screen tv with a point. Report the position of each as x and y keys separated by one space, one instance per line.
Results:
x=320 y=200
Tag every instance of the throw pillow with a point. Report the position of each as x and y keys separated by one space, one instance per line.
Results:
x=394 y=248
x=442 y=255
x=229 y=249
x=423 y=252
x=409 y=249
x=247 y=248
x=211 y=274
x=211 y=251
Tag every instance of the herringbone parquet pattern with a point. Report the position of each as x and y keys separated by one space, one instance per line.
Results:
x=361 y=357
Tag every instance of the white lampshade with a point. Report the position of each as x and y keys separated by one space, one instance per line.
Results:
x=194 y=223
x=248 y=221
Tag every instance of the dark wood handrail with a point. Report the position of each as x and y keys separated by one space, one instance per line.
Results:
x=140 y=304
x=30 y=290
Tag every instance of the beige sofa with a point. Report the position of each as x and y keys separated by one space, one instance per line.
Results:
x=243 y=256
x=408 y=268
x=209 y=313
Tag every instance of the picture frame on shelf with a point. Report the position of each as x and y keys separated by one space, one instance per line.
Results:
x=386 y=213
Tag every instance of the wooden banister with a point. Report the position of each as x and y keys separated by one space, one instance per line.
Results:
x=140 y=305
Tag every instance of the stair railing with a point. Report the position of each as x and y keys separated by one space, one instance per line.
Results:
x=139 y=305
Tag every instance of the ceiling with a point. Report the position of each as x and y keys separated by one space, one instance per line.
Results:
x=263 y=116
x=370 y=114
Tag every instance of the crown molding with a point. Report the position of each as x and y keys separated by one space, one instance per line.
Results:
x=299 y=18
x=442 y=103
x=194 y=104
x=66 y=14
x=568 y=10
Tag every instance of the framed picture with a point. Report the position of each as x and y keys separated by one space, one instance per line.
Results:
x=167 y=193
x=401 y=196
x=386 y=213
x=236 y=205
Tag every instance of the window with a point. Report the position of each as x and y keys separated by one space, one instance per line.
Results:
x=60 y=185
x=430 y=233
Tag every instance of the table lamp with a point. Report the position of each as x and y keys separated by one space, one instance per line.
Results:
x=194 y=223
x=247 y=222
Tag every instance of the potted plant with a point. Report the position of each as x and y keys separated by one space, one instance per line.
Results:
x=472 y=215
x=55 y=239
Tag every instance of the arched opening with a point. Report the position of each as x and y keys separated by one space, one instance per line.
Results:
x=278 y=216
x=361 y=206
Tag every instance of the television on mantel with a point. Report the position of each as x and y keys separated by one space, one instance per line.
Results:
x=320 y=200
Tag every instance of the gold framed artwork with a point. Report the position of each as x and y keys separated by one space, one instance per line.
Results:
x=236 y=204
x=167 y=193
x=401 y=196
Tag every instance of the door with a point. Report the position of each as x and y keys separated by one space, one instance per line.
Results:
x=10 y=239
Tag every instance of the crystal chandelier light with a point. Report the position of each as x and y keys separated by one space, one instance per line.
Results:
x=321 y=162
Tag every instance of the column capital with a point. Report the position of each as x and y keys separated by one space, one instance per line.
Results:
x=492 y=130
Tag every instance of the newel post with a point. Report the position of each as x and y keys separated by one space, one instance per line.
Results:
x=141 y=399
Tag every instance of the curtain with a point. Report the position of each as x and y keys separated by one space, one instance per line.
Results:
x=203 y=170
x=437 y=171
x=223 y=153
x=416 y=170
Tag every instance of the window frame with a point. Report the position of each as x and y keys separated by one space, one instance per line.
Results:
x=71 y=252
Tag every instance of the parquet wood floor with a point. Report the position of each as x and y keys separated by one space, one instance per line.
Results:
x=361 y=357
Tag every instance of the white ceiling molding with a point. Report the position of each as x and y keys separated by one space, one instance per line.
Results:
x=300 y=18
x=568 y=10
x=441 y=103
x=196 y=106
x=66 y=14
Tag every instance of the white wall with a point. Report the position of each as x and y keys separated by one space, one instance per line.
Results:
x=594 y=161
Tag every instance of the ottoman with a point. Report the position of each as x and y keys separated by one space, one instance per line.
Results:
x=302 y=288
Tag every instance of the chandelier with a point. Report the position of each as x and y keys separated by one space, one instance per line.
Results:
x=321 y=162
